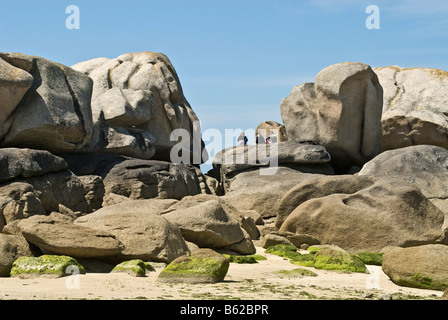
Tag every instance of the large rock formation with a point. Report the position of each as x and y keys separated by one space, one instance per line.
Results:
x=137 y=178
x=423 y=166
x=210 y=222
x=11 y=248
x=242 y=158
x=420 y=267
x=252 y=175
x=14 y=83
x=61 y=236
x=265 y=129
x=145 y=235
x=148 y=104
x=415 y=108
x=341 y=110
x=367 y=216
x=35 y=182
x=54 y=114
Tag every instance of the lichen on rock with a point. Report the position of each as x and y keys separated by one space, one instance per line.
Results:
x=52 y=266
x=203 y=266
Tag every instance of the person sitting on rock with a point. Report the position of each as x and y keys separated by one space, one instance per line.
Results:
x=242 y=139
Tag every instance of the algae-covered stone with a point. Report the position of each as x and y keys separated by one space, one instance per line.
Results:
x=372 y=258
x=304 y=260
x=331 y=259
x=136 y=268
x=202 y=266
x=254 y=258
x=281 y=249
x=51 y=266
x=423 y=266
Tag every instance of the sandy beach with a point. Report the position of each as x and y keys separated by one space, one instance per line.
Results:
x=243 y=281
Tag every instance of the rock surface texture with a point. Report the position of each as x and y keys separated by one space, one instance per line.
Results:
x=341 y=110
x=148 y=104
x=55 y=113
x=90 y=175
x=415 y=108
x=365 y=214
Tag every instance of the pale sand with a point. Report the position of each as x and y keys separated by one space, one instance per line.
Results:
x=243 y=281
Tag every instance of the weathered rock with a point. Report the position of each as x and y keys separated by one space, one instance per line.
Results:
x=288 y=238
x=235 y=159
x=317 y=187
x=9 y=211
x=423 y=166
x=143 y=206
x=130 y=142
x=26 y=198
x=136 y=178
x=93 y=190
x=244 y=219
x=144 y=234
x=126 y=107
x=60 y=188
x=415 y=107
x=25 y=163
x=144 y=179
x=445 y=295
x=55 y=113
x=152 y=81
x=14 y=83
x=47 y=266
x=136 y=268
x=421 y=267
x=272 y=239
x=65 y=238
x=264 y=130
x=202 y=266
x=341 y=111
x=11 y=248
x=244 y=247
x=207 y=225
x=383 y=211
x=262 y=193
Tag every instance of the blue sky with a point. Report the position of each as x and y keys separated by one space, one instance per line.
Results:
x=236 y=59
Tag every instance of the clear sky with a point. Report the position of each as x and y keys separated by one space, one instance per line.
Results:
x=236 y=59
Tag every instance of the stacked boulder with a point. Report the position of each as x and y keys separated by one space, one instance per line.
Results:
x=390 y=153
x=86 y=173
x=85 y=164
x=137 y=102
x=364 y=168
x=341 y=110
x=415 y=107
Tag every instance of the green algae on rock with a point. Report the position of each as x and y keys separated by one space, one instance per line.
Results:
x=371 y=258
x=281 y=249
x=202 y=266
x=136 y=268
x=330 y=259
x=52 y=266
x=254 y=258
x=325 y=258
x=422 y=266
